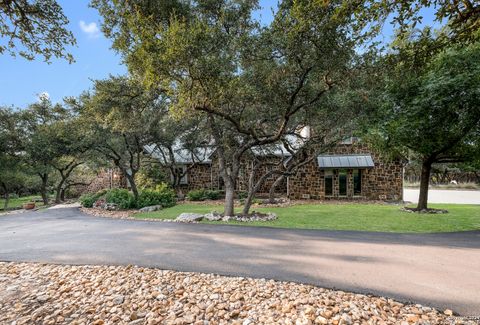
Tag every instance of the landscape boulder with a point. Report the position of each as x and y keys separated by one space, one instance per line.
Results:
x=110 y=207
x=213 y=216
x=151 y=208
x=189 y=217
x=255 y=216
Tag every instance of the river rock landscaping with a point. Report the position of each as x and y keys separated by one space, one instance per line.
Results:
x=61 y=294
x=215 y=216
x=185 y=217
x=116 y=214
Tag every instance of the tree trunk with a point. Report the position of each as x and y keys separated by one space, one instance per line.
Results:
x=7 y=198
x=252 y=189
x=133 y=186
x=64 y=174
x=175 y=181
x=58 y=191
x=229 y=197
x=229 y=176
x=248 y=202
x=424 y=182
x=271 y=193
x=44 y=196
x=43 y=189
x=6 y=195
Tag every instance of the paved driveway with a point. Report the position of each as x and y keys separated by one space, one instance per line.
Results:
x=442 y=270
x=444 y=196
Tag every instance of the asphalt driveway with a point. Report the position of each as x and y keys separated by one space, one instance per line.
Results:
x=442 y=270
x=444 y=196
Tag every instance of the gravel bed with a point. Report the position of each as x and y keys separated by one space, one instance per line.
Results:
x=98 y=212
x=33 y=293
x=122 y=214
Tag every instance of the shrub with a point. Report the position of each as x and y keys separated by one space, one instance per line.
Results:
x=161 y=195
x=212 y=195
x=196 y=195
x=201 y=195
x=121 y=197
x=254 y=201
x=150 y=175
x=242 y=195
x=88 y=200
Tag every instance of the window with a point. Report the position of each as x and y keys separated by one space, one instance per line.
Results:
x=328 y=183
x=357 y=182
x=342 y=183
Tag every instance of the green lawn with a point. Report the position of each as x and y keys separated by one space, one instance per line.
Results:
x=364 y=217
x=18 y=202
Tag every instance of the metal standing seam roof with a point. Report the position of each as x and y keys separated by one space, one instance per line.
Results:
x=345 y=161
x=182 y=156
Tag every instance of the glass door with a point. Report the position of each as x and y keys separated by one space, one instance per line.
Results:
x=328 y=183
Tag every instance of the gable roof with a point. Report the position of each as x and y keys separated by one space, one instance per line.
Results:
x=181 y=155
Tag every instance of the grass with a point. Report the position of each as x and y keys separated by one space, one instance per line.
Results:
x=350 y=216
x=18 y=202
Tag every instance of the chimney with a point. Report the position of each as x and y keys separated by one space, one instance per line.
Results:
x=305 y=132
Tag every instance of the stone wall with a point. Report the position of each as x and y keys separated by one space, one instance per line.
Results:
x=383 y=182
x=307 y=183
x=268 y=164
x=199 y=176
x=207 y=176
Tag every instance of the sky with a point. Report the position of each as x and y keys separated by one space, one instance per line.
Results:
x=21 y=81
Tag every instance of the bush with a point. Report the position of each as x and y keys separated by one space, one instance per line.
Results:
x=196 y=195
x=201 y=195
x=242 y=195
x=212 y=195
x=124 y=199
x=86 y=200
x=89 y=199
x=161 y=195
x=121 y=197
x=150 y=175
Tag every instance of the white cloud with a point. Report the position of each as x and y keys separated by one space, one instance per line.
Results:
x=91 y=29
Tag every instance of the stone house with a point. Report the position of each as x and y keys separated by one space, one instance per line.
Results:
x=349 y=171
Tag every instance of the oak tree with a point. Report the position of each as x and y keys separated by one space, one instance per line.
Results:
x=34 y=27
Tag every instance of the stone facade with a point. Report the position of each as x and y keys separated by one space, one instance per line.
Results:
x=207 y=176
x=199 y=176
x=267 y=164
x=382 y=182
